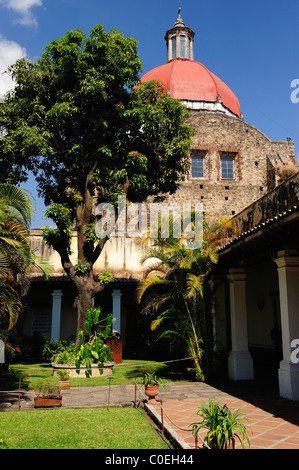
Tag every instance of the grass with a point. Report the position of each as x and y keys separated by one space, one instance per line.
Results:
x=93 y=428
x=98 y=428
x=123 y=374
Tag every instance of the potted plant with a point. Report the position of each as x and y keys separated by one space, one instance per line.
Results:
x=223 y=426
x=48 y=395
x=64 y=379
x=151 y=385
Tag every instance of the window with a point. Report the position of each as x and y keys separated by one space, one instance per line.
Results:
x=227 y=165
x=41 y=320
x=197 y=169
x=173 y=41
x=183 y=47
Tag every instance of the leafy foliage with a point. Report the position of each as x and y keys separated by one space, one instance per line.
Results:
x=61 y=235
x=106 y=277
x=81 y=269
x=223 y=426
x=94 y=348
x=63 y=353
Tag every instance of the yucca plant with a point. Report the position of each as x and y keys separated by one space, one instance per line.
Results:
x=223 y=426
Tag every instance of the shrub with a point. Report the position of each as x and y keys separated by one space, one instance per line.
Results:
x=47 y=389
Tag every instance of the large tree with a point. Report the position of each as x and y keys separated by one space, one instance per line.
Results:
x=82 y=122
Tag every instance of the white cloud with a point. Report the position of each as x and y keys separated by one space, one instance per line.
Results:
x=23 y=9
x=10 y=52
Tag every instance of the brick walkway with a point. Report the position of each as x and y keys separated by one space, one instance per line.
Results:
x=273 y=422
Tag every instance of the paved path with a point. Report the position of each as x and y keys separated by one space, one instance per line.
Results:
x=273 y=422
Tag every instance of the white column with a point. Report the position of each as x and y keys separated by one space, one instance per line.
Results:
x=288 y=278
x=116 y=311
x=240 y=363
x=169 y=49
x=56 y=314
x=191 y=51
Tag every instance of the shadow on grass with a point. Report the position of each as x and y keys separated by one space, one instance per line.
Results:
x=24 y=376
x=11 y=381
x=172 y=372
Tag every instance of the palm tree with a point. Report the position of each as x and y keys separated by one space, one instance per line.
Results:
x=174 y=288
x=16 y=256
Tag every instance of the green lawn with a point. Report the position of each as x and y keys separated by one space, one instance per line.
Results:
x=94 y=428
x=126 y=373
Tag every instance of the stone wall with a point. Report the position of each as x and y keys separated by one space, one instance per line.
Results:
x=259 y=164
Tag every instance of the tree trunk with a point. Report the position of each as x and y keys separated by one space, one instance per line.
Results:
x=85 y=300
x=87 y=254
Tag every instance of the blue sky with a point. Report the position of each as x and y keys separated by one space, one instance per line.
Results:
x=252 y=46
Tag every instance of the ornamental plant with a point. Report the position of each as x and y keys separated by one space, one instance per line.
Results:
x=150 y=379
x=92 y=347
x=223 y=426
x=64 y=354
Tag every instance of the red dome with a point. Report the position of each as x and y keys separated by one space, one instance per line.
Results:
x=191 y=81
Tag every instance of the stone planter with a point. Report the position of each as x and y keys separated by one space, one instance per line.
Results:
x=71 y=368
x=47 y=402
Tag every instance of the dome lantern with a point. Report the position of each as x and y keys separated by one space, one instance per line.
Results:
x=179 y=41
x=188 y=80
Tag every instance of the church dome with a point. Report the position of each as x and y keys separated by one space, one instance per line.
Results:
x=190 y=81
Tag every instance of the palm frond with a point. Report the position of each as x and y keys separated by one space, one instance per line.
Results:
x=194 y=285
x=15 y=198
x=147 y=283
x=42 y=264
x=10 y=303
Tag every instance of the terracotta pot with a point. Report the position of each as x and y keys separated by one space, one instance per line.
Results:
x=64 y=384
x=151 y=391
x=229 y=445
x=47 y=402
